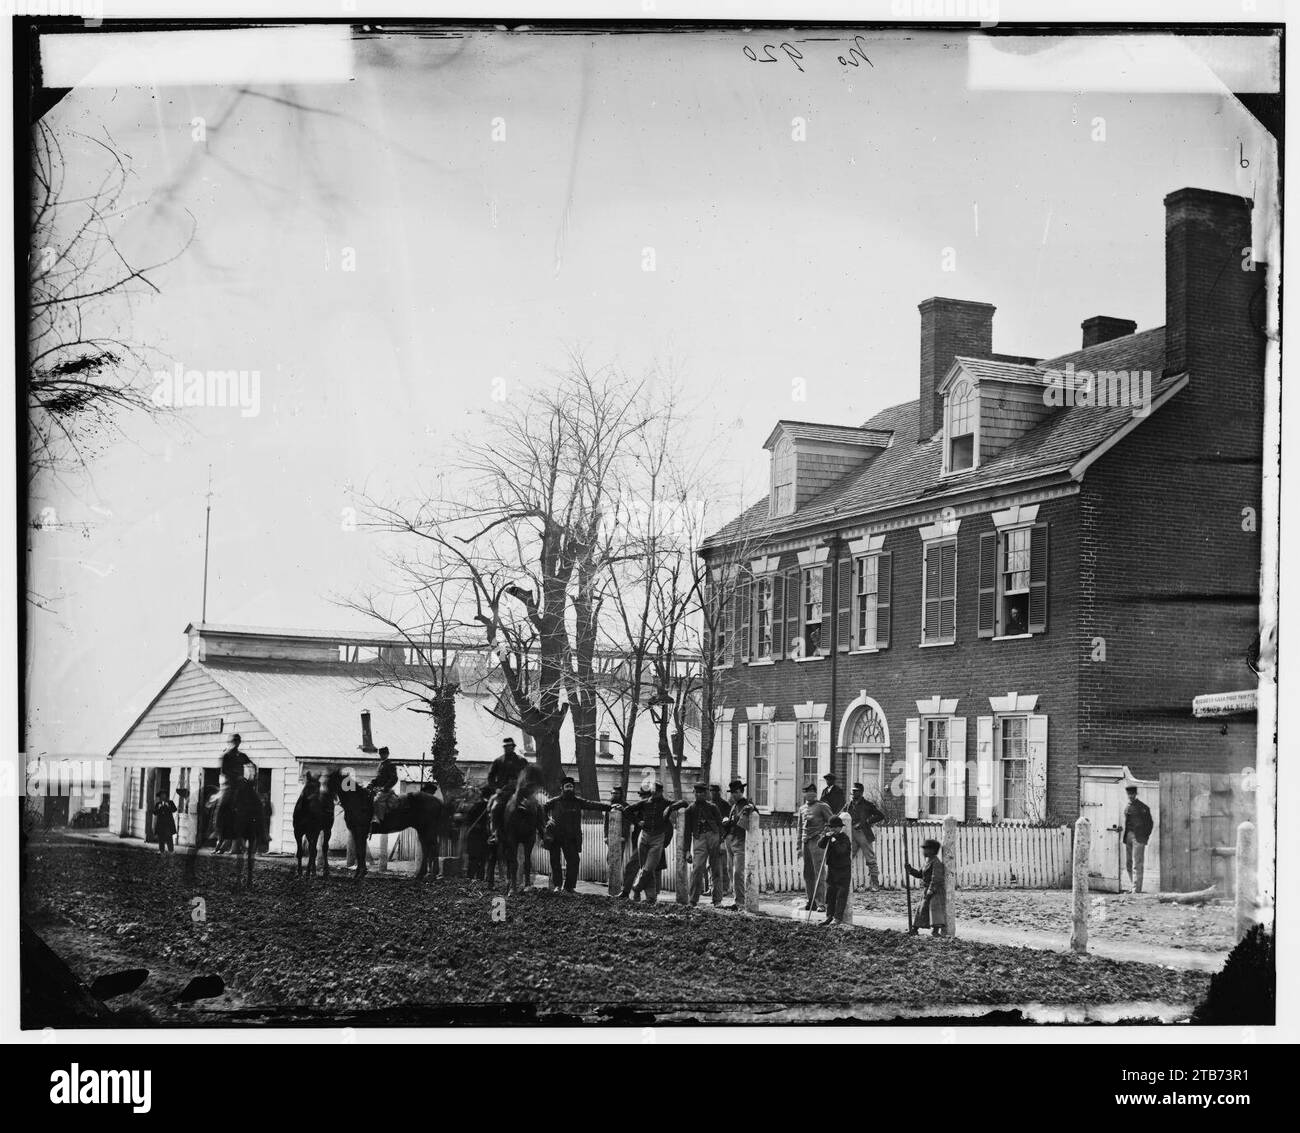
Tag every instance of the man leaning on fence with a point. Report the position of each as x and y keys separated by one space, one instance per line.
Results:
x=813 y=817
x=1138 y=825
x=565 y=811
x=734 y=828
x=704 y=836
x=865 y=814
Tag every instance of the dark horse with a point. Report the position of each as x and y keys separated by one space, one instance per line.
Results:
x=243 y=819
x=313 y=816
x=522 y=824
x=421 y=812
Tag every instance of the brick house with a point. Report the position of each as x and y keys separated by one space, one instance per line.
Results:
x=976 y=599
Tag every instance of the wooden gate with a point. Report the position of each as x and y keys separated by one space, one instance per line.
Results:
x=1102 y=799
x=1201 y=813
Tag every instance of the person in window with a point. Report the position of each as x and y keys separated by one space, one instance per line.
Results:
x=565 y=811
x=833 y=795
x=813 y=817
x=1138 y=825
x=865 y=814
x=934 y=893
x=838 y=851
x=164 y=823
x=653 y=815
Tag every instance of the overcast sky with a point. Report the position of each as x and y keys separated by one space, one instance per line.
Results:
x=481 y=258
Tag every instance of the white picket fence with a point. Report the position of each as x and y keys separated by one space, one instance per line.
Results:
x=997 y=856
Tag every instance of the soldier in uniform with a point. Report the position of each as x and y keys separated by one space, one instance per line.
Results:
x=233 y=762
x=503 y=776
x=384 y=782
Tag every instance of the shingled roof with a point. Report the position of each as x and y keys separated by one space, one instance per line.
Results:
x=835 y=434
x=909 y=472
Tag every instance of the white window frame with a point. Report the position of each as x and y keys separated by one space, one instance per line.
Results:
x=927 y=546
x=758 y=783
x=948 y=437
x=999 y=765
x=927 y=775
x=724 y=635
x=811 y=579
x=761 y=582
x=1000 y=572
x=784 y=459
x=803 y=730
x=855 y=628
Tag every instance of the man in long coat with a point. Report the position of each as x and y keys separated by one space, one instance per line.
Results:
x=934 y=893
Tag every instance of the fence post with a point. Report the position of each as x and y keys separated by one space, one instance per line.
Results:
x=1247 y=879
x=679 y=835
x=1079 y=932
x=614 y=852
x=752 y=850
x=382 y=864
x=950 y=866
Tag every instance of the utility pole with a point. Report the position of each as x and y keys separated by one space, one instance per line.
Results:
x=207 y=535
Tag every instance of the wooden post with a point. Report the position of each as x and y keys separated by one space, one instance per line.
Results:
x=752 y=850
x=382 y=864
x=1247 y=879
x=1079 y=932
x=614 y=853
x=683 y=855
x=950 y=867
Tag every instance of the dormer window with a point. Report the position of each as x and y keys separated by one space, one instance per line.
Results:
x=959 y=431
x=783 y=465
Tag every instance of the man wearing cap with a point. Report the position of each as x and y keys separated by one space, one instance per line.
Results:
x=833 y=795
x=865 y=813
x=734 y=827
x=565 y=812
x=233 y=762
x=1138 y=825
x=724 y=809
x=652 y=814
x=835 y=845
x=704 y=835
x=383 y=783
x=934 y=893
x=813 y=817
x=503 y=776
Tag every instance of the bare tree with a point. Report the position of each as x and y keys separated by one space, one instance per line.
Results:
x=84 y=370
x=522 y=534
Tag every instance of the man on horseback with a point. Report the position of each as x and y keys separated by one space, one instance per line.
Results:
x=503 y=776
x=382 y=785
x=233 y=762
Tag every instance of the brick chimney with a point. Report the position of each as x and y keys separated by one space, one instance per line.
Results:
x=367 y=742
x=949 y=327
x=1102 y=328
x=1208 y=295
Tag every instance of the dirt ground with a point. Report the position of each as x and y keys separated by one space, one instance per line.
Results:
x=390 y=950
x=1126 y=917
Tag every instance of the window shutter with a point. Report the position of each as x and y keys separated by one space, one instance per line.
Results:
x=740 y=757
x=987 y=767
x=744 y=647
x=988 y=594
x=828 y=609
x=823 y=747
x=956 y=786
x=1036 y=789
x=912 y=768
x=844 y=602
x=721 y=750
x=778 y=618
x=930 y=620
x=793 y=598
x=884 y=581
x=948 y=591
x=1038 y=578
x=781 y=766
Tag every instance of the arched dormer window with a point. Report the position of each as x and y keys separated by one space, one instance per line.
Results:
x=959 y=433
x=782 y=478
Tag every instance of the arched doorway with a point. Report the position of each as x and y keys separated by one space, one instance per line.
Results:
x=864 y=746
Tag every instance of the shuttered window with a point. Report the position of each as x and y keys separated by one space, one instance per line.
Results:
x=1013 y=582
x=763 y=618
x=939 y=593
x=810 y=615
x=871 y=582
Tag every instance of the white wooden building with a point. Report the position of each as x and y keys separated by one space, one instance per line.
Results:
x=296 y=698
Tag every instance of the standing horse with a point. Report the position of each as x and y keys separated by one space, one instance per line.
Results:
x=421 y=812
x=244 y=820
x=313 y=817
x=521 y=826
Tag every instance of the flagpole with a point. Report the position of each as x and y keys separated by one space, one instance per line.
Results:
x=207 y=535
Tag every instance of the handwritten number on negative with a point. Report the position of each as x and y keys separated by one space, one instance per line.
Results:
x=791 y=52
